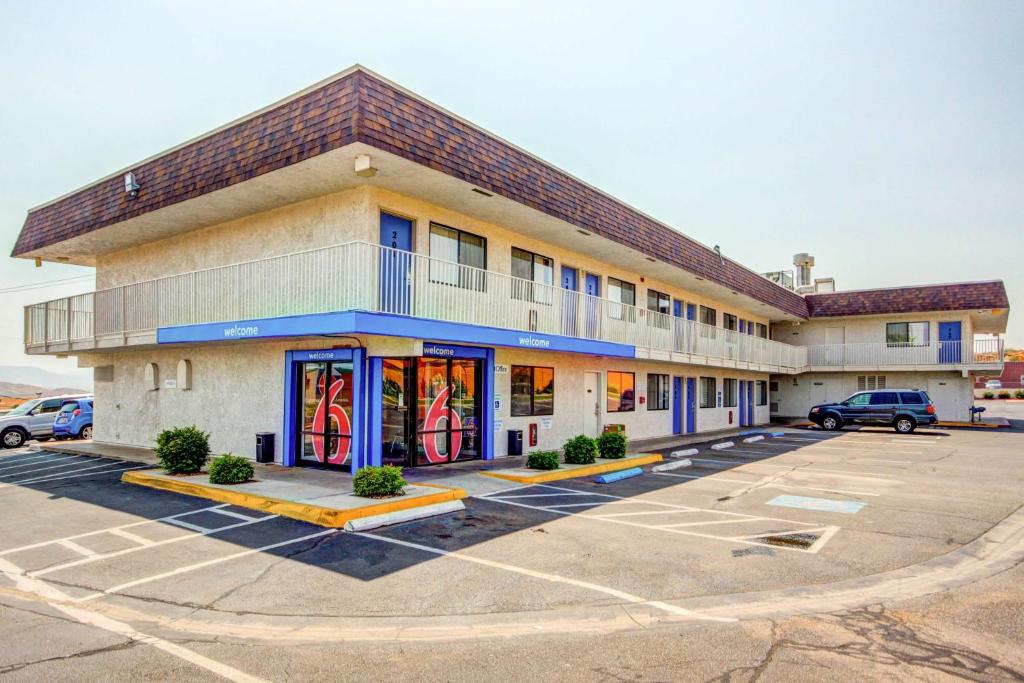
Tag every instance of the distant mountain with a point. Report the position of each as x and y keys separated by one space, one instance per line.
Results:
x=15 y=390
x=44 y=380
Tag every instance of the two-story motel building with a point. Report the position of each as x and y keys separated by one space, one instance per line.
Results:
x=375 y=280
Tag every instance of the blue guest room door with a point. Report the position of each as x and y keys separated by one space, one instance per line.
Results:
x=677 y=405
x=592 y=288
x=949 y=338
x=691 y=405
x=569 y=310
x=395 y=264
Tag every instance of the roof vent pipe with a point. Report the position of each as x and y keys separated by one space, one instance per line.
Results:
x=803 y=263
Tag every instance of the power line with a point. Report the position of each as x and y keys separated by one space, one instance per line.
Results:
x=40 y=285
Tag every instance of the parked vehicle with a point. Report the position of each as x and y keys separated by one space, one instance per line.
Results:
x=993 y=384
x=33 y=419
x=74 y=420
x=903 y=409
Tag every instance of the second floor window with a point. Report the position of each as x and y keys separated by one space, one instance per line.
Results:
x=458 y=258
x=729 y=394
x=729 y=321
x=762 y=330
x=622 y=296
x=534 y=276
x=906 y=334
x=708 y=316
x=658 y=302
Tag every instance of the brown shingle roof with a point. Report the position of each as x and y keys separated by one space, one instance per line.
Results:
x=359 y=107
x=958 y=296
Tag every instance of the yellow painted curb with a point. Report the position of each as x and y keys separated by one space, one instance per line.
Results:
x=974 y=425
x=314 y=514
x=597 y=468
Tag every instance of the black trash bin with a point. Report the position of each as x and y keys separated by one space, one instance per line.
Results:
x=515 y=442
x=264 y=447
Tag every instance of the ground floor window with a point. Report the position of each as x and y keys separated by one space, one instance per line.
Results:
x=533 y=391
x=657 y=392
x=708 y=389
x=729 y=393
x=762 y=393
x=621 y=392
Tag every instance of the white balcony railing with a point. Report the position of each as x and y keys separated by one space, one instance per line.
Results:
x=363 y=276
x=880 y=354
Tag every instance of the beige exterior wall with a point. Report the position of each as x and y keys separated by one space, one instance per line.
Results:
x=864 y=329
x=950 y=391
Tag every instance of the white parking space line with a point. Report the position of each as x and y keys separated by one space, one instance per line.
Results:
x=855 y=475
x=201 y=565
x=23 y=457
x=6 y=485
x=236 y=515
x=67 y=466
x=774 y=484
x=553 y=578
x=5 y=470
x=118 y=530
x=187 y=525
x=151 y=544
x=590 y=504
x=60 y=601
x=129 y=536
x=716 y=521
x=81 y=550
x=652 y=512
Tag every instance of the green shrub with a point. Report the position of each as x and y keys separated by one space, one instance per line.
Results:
x=183 y=450
x=1004 y=394
x=1019 y=393
x=580 y=450
x=543 y=460
x=379 y=482
x=230 y=469
x=612 y=445
x=989 y=395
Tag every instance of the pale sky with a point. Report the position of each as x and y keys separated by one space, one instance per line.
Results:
x=884 y=138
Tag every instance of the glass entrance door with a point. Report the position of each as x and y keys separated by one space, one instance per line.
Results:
x=447 y=410
x=325 y=408
x=396 y=396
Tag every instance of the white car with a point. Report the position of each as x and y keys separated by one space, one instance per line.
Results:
x=993 y=384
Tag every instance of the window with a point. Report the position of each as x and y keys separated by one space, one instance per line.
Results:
x=883 y=398
x=708 y=316
x=911 y=398
x=859 y=400
x=456 y=256
x=536 y=275
x=659 y=302
x=774 y=386
x=729 y=321
x=906 y=334
x=533 y=391
x=620 y=392
x=657 y=392
x=708 y=389
x=762 y=393
x=49 y=406
x=869 y=382
x=620 y=292
x=729 y=393
x=762 y=330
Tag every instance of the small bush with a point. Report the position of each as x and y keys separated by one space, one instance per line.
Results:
x=580 y=450
x=379 y=482
x=183 y=450
x=230 y=469
x=1004 y=394
x=612 y=445
x=1019 y=393
x=989 y=395
x=543 y=460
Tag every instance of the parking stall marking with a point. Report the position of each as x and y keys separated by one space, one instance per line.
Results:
x=7 y=485
x=769 y=484
x=798 y=528
x=6 y=461
x=45 y=465
x=81 y=550
x=870 y=476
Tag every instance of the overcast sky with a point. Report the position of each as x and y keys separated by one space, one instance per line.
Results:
x=885 y=138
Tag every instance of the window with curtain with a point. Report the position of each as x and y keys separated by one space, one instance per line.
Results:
x=622 y=296
x=535 y=276
x=708 y=316
x=657 y=392
x=762 y=393
x=729 y=394
x=708 y=389
x=906 y=334
x=729 y=321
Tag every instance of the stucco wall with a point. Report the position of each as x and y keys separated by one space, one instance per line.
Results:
x=950 y=391
x=864 y=329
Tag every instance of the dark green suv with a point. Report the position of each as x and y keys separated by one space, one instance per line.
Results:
x=902 y=409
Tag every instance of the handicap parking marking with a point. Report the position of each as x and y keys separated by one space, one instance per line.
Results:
x=846 y=507
x=813 y=540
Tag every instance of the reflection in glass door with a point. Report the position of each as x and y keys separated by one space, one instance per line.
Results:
x=395 y=411
x=326 y=413
x=447 y=410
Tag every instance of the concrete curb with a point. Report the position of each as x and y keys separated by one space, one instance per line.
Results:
x=672 y=465
x=389 y=518
x=752 y=439
x=540 y=477
x=683 y=454
x=722 y=446
x=333 y=518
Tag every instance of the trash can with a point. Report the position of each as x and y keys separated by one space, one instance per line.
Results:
x=515 y=442
x=264 y=447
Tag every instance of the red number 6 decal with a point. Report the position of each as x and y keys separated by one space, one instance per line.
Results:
x=437 y=413
x=325 y=410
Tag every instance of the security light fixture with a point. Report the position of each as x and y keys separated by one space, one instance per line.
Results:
x=131 y=186
x=483 y=192
x=362 y=166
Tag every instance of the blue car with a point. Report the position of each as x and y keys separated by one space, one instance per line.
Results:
x=902 y=409
x=74 y=421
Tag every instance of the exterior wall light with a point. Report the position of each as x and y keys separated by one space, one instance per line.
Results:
x=131 y=186
x=363 y=168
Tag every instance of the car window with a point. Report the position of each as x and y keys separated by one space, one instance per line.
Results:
x=911 y=398
x=24 y=408
x=69 y=407
x=859 y=399
x=49 y=407
x=883 y=398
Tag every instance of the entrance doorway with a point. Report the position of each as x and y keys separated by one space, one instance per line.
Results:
x=325 y=420
x=591 y=403
x=431 y=411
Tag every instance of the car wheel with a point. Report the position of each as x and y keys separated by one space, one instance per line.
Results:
x=904 y=424
x=86 y=432
x=13 y=438
x=831 y=423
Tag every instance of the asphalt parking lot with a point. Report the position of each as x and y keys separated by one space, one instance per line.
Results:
x=815 y=535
